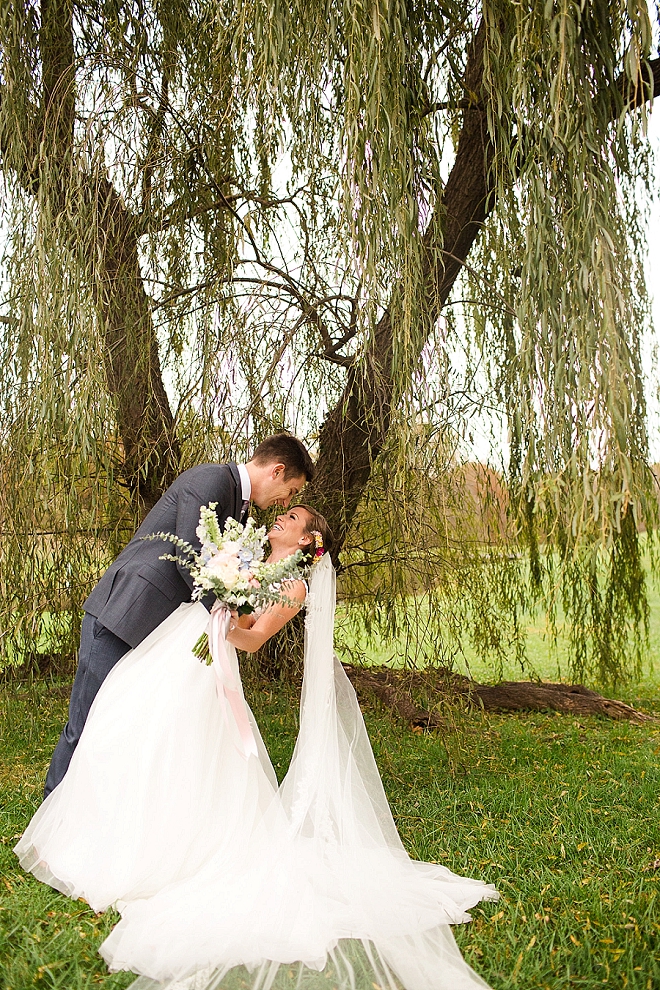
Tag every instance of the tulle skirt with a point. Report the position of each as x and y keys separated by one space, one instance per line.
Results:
x=157 y=782
x=222 y=879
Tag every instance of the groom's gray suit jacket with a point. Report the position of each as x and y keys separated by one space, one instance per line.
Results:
x=139 y=590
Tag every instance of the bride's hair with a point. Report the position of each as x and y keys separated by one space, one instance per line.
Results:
x=316 y=524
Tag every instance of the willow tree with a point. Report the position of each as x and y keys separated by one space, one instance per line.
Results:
x=363 y=222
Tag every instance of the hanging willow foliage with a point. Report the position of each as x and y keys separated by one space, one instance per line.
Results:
x=224 y=218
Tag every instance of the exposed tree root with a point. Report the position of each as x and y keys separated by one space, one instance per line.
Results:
x=394 y=689
x=398 y=691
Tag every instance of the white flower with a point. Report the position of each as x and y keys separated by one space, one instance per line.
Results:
x=224 y=567
x=232 y=547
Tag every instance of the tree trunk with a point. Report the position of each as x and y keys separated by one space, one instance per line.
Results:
x=132 y=363
x=144 y=419
x=354 y=432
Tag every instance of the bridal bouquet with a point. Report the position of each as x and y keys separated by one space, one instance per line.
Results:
x=231 y=565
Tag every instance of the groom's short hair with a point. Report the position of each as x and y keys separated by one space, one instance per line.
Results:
x=283 y=448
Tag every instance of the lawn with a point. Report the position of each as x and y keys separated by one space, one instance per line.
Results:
x=562 y=815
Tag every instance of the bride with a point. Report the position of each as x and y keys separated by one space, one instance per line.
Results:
x=170 y=810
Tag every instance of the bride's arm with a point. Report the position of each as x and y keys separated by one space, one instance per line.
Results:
x=272 y=620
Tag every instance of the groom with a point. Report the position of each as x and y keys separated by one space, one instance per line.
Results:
x=139 y=590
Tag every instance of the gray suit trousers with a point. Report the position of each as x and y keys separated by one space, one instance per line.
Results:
x=99 y=652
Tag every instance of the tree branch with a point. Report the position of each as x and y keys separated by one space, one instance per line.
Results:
x=645 y=88
x=354 y=432
x=58 y=108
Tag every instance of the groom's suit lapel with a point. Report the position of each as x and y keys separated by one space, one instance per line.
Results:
x=237 y=496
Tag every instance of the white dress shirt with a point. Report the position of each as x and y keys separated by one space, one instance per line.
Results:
x=246 y=485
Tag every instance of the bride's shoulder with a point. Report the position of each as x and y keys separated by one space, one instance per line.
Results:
x=296 y=591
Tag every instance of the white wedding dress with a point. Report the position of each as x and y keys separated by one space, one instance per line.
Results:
x=170 y=810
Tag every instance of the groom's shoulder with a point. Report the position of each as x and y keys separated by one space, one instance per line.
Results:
x=206 y=476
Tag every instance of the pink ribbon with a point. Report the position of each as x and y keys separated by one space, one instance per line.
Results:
x=226 y=681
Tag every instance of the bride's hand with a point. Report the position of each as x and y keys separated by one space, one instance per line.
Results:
x=237 y=621
x=264 y=626
x=246 y=621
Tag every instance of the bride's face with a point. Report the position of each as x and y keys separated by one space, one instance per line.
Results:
x=288 y=530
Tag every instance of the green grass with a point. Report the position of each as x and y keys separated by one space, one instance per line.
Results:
x=562 y=815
